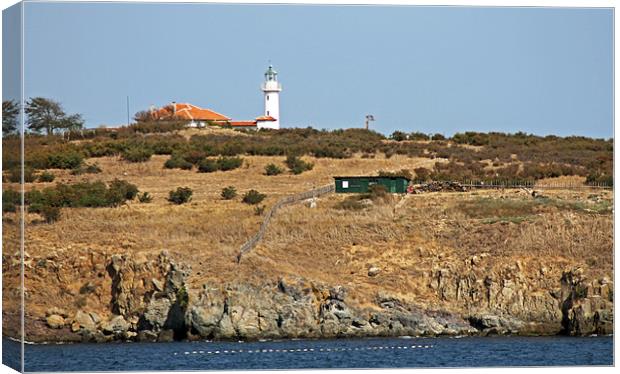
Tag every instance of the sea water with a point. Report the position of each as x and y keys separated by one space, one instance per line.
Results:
x=339 y=353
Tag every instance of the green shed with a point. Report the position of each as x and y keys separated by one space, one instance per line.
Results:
x=362 y=184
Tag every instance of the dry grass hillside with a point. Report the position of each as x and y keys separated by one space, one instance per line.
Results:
x=407 y=240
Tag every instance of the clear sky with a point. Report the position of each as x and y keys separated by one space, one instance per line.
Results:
x=429 y=69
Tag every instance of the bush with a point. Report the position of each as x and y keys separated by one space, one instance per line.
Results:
x=66 y=159
x=137 y=154
x=180 y=196
x=422 y=174
x=50 y=214
x=259 y=210
x=377 y=191
x=125 y=189
x=297 y=165
x=273 y=169
x=194 y=157
x=176 y=162
x=85 y=194
x=229 y=163
x=418 y=136
x=229 y=193
x=46 y=177
x=145 y=197
x=15 y=175
x=595 y=177
x=399 y=136
x=8 y=207
x=10 y=200
x=207 y=166
x=438 y=137
x=87 y=169
x=253 y=197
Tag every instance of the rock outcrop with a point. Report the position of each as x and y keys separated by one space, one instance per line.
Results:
x=152 y=301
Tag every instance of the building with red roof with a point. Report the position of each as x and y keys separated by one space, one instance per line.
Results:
x=201 y=117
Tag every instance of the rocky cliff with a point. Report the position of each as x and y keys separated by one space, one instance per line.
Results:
x=151 y=300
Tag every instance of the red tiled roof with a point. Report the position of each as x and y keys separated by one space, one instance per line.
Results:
x=242 y=123
x=188 y=112
x=265 y=118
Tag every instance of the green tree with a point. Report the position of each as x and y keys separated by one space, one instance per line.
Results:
x=46 y=114
x=10 y=111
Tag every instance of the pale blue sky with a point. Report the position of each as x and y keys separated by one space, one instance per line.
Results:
x=429 y=69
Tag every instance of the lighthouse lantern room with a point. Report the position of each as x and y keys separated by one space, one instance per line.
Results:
x=271 y=88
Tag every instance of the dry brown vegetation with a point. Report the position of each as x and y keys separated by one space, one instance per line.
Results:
x=406 y=238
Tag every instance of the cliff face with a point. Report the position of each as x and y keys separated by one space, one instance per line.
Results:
x=429 y=265
x=151 y=300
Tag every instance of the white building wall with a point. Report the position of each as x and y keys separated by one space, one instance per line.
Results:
x=271 y=90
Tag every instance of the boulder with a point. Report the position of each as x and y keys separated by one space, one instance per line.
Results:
x=373 y=271
x=156 y=313
x=147 y=336
x=157 y=285
x=55 y=321
x=165 y=336
x=116 y=326
x=83 y=320
x=58 y=311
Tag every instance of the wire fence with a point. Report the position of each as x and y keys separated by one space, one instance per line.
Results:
x=253 y=241
x=498 y=184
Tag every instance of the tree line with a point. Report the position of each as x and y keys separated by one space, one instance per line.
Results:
x=42 y=115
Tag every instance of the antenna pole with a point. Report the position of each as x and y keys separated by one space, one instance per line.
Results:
x=127 y=110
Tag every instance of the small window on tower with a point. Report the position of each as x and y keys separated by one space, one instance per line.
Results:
x=267 y=112
x=267 y=97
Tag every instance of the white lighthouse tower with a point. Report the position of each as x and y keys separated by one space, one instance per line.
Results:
x=271 y=88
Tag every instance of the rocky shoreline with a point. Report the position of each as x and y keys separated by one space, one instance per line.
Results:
x=151 y=301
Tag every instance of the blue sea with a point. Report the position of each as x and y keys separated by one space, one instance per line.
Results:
x=298 y=354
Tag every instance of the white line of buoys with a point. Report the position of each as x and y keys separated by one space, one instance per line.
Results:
x=291 y=350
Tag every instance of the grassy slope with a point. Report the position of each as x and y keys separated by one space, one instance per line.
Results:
x=323 y=244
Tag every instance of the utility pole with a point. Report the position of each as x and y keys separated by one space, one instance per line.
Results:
x=369 y=117
x=128 y=110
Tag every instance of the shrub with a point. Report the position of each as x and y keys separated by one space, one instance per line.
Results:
x=595 y=177
x=15 y=175
x=259 y=210
x=229 y=163
x=50 y=214
x=418 y=136
x=8 y=207
x=46 y=177
x=253 y=197
x=125 y=189
x=297 y=165
x=377 y=191
x=176 y=162
x=180 y=196
x=438 y=137
x=207 y=166
x=145 y=197
x=229 y=193
x=399 y=136
x=85 y=194
x=137 y=154
x=422 y=173
x=273 y=169
x=87 y=169
x=10 y=200
x=66 y=159
x=194 y=157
